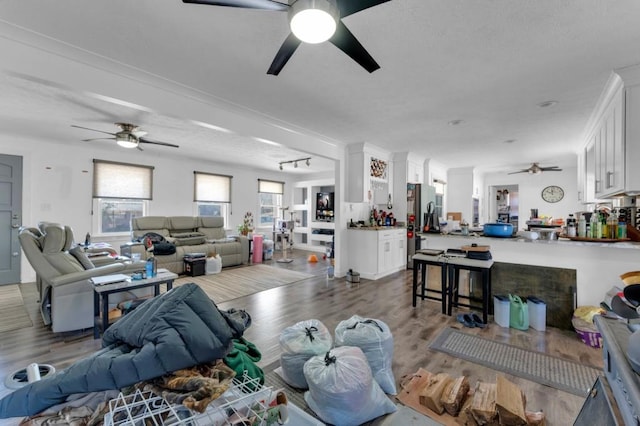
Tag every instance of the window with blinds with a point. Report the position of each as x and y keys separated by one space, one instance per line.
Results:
x=212 y=194
x=121 y=192
x=270 y=201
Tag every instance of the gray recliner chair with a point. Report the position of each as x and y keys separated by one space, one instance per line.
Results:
x=66 y=294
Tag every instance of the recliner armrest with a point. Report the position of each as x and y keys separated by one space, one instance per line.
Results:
x=87 y=274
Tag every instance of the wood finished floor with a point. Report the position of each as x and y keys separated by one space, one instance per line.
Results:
x=331 y=301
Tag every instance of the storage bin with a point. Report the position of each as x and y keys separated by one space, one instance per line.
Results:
x=537 y=313
x=267 y=249
x=194 y=267
x=501 y=310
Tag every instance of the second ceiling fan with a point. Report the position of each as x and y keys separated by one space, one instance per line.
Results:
x=305 y=15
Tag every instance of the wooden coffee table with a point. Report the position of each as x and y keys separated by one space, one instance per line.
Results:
x=101 y=295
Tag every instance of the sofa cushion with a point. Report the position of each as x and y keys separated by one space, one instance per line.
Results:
x=145 y=224
x=182 y=224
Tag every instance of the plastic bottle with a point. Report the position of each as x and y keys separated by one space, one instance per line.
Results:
x=604 y=228
x=593 y=225
x=622 y=228
x=151 y=267
x=612 y=225
x=582 y=227
x=598 y=233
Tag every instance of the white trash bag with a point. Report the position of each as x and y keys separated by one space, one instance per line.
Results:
x=300 y=342
x=342 y=390
x=376 y=341
x=213 y=265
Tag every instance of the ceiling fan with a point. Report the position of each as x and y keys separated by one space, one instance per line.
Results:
x=312 y=21
x=536 y=169
x=129 y=136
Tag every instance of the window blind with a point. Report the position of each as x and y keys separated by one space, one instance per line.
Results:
x=122 y=180
x=212 y=188
x=270 y=186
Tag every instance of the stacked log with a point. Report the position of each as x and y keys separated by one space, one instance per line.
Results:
x=502 y=403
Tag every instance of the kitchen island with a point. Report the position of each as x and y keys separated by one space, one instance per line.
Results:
x=598 y=266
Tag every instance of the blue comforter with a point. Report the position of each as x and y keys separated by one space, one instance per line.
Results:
x=175 y=330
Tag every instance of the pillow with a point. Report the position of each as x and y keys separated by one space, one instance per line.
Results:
x=81 y=256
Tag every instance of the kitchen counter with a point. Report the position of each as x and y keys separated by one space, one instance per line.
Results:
x=375 y=228
x=482 y=240
x=598 y=266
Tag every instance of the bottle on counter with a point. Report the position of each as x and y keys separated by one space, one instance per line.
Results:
x=612 y=225
x=593 y=225
x=604 y=231
x=582 y=227
x=622 y=228
x=571 y=229
x=598 y=233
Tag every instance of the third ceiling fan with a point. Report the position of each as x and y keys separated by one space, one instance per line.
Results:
x=535 y=169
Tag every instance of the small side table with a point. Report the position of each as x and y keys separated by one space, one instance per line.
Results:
x=101 y=295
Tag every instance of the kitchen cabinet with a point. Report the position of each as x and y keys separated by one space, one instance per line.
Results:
x=611 y=152
x=415 y=172
x=377 y=253
x=369 y=174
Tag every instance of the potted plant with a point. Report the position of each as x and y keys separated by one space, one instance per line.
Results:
x=247 y=224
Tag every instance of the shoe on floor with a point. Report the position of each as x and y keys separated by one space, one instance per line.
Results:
x=477 y=321
x=466 y=320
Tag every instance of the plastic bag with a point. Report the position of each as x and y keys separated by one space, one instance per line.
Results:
x=518 y=313
x=342 y=391
x=213 y=265
x=376 y=341
x=300 y=342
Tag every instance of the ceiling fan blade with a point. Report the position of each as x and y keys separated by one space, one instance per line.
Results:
x=93 y=130
x=144 y=140
x=551 y=169
x=98 y=139
x=345 y=41
x=521 y=171
x=349 y=7
x=287 y=49
x=248 y=4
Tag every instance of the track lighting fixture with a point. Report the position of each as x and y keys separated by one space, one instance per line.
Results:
x=307 y=161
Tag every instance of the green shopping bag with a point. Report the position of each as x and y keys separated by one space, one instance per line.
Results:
x=518 y=313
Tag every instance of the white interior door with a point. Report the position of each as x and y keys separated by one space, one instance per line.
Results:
x=10 y=217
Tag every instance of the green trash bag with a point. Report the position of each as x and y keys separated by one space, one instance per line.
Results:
x=518 y=313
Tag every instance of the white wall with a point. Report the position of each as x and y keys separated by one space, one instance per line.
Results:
x=460 y=192
x=57 y=184
x=530 y=190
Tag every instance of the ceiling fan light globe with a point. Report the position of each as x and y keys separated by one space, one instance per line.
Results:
x=313 y=21
x=127 y=141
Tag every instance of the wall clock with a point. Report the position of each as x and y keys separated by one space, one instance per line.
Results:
x=552 y=194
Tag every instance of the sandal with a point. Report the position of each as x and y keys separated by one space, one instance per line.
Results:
x=477 y=321
x=466 y=320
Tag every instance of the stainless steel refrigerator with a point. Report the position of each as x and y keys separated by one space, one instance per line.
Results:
x=418 y=196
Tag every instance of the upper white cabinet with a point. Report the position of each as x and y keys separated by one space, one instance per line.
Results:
x=611 y=148
x=369 y=174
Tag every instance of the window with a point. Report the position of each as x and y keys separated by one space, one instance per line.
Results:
x=120 y=192
x=270 y=199
x=212 y=195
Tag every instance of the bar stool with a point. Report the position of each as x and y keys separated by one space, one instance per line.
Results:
x=454 y=265
x=420 y=263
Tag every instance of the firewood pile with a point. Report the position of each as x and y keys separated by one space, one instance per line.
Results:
x=453 y=401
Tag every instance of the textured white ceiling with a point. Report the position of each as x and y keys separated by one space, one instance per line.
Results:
x=486 y=62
